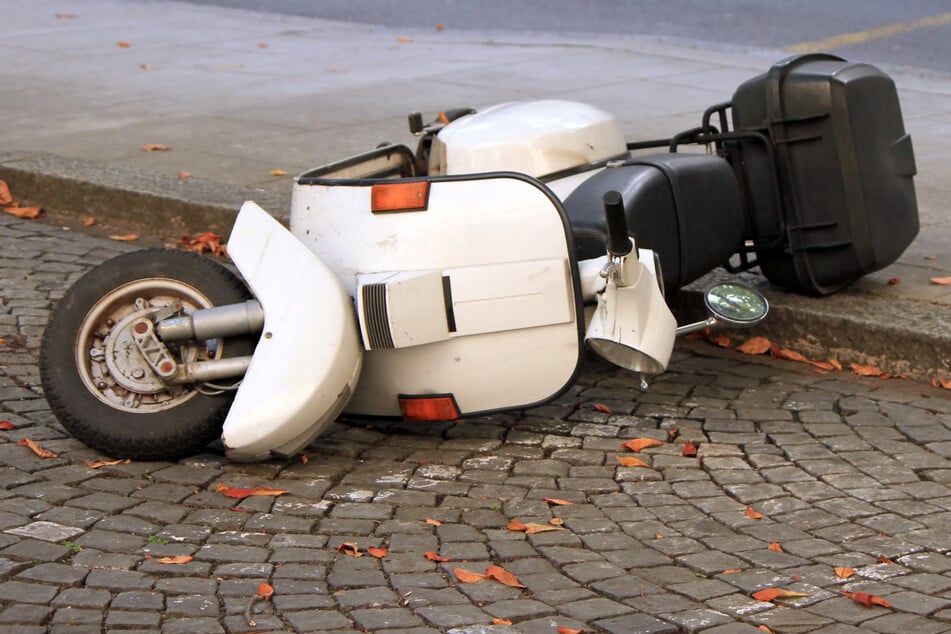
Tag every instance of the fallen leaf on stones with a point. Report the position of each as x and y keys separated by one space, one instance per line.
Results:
x=129 y=237
x=239 y=493
x=156 y=147
x=303 y=458
x=349 y=548
x=867 y=599
x=440 y=26
x=379 y=553
x=183 y=174
x=5 y=424
x=98 y=464
x=732 y=571
x=765 y=628
x=177 y=559
x=88 y=222
x=265 y=590
x=866 y=370
x=843 y=572
x=755 y=515
x=23 y=213
x=556 y=521
x=430 y=520
x=690 y=450
x=278 y=172
x=206 y=241
x=942 y=383
x=894 y=281
x=882 y=559
x=658 y=536
x=33 y=446
x=672 y=433
x=403 y=40
x=123 y=44
x=557 y=502
x=775 y=547
x=640 y=443
x=503 y=576
x=569 y=630
x=631 y=461
x=943 y=281
x=835 y=364
x=721 y=341
x=601 y=407
x=515 y=525
x=771 y=594
x=466 y=576
x=498 y=621
x=5 y=196
x=532 y=527
x=432 y=555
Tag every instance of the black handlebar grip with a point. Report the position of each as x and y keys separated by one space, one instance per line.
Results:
x=619 y=244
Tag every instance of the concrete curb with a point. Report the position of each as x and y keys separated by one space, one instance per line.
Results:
x=899 y=336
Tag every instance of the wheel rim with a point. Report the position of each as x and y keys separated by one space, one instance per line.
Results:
x=110 y=366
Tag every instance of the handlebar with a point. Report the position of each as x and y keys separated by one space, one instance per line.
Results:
x=618 y=244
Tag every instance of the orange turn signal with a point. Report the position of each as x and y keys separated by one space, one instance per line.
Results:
x=429 y=407
x=411 y=196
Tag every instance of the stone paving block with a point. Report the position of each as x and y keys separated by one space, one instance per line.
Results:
x=902 y=623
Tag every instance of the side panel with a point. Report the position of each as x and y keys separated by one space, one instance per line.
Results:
x=471 y=225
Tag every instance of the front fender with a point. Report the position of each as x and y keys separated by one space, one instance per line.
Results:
x=307 y=361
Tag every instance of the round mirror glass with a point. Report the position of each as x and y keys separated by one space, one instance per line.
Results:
x=736 y=304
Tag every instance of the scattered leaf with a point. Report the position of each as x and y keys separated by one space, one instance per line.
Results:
x=265 y=590
x=403 y=40
x=835 y=364
x=672 y=433
x=156 y=147
x=440 y=26
x=349 y=548
x=206 y=241
x=732 y=571
x=569 y=630
x=640 y=443
x=721 y=341
x=894 y=281
x=515 y=525
x=303 y=458
x=690 y=450
x=658 y=536
x=942 y=383
x=129 y=237
x=123 y=45
x=755 y=345
x=433 y=522
x=882 y=559
x=771 y=594
x=503 y=576
x=177 y=559
x=278 y=172
x=23 y=213
x=88 y=222
x=866 y=370
x=755 y=515
x=33 y=446
x=843 y=572
x=532 y=527
x=183 y=174
x=466 y=576
x=239 y=493
x=5 y=424
x=556 y=521
x=867 y=599
x=148 y=67
x=262 y=45
x=98 y=464
x=765 y=628
x=498 y=621
x=631 y=461
x=943 y=281
x=5 y=196
x=379 y=553
x=432 y=555
x=557 y=502
x=775 y=546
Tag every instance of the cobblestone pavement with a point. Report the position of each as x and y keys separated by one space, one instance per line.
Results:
x=846 y=472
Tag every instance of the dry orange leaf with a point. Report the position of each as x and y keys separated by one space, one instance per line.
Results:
x=5 y=196
x=556 y=521
x=867 y=599
x=239 y=493
x=844 y=572
x=515 y=525
x=156 y=147
x=98 y=464
x=503 y=576
x=379 y=553
x=498 y=621
x=5 y=424
x=776 y=547
x=771 y=594
x=129 y=237
x=942 y=383
x=440 y=26
x=557 y=502
x=866 y=370
x=23 y=213
x=403 y=40
x=432 y=555
x=303 y=458
x=569 y=630
x=88 y=222
x=183 y=174
x=640 y=443
x=721 y=341
x=882 y=559
x=943 y=281
x=123 y=44
x=601 y=407
x=631 y=461
x=765 y=628
x=755 y=515
x=690 y=450
x=532 y=527
x=177 y=559
x=349 y=548
x=33 y=446
x=430 y=520
x=265 y=590
x=278 y=172
x=466 y=576
x=732 y=571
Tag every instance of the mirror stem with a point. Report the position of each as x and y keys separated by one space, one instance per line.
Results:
x=686 y=329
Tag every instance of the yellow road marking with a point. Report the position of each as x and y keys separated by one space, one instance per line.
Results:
x=859 y=37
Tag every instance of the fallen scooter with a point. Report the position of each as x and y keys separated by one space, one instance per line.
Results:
x=460 y=279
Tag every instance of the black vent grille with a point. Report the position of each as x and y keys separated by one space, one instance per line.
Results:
x=375 y=317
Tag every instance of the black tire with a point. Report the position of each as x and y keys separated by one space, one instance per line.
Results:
x=76 y=374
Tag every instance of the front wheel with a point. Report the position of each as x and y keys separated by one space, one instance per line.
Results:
x=97 y=382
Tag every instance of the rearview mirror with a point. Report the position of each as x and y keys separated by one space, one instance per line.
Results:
x=730 y=304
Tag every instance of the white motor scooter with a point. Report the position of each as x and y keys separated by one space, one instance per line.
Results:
x=429 y=285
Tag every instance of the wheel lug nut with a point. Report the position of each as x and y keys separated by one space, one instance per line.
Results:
x=138 y=373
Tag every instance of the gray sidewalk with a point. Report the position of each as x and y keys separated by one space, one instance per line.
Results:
x=237 y=96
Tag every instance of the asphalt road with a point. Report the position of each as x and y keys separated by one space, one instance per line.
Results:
x=913 y=34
